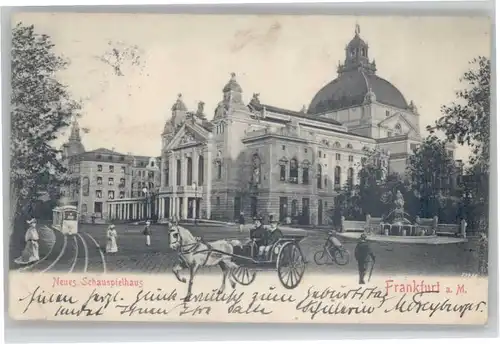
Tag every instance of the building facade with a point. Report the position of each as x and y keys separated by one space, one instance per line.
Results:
x=108 y=185
x=260 y=159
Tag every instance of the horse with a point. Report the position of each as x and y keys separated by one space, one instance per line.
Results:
x=195 y=253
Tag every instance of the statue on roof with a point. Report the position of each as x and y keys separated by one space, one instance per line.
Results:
x=255 y=99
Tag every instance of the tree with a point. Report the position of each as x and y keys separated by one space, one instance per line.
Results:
x=431 y=171
x=467 y=120
x=40 y=107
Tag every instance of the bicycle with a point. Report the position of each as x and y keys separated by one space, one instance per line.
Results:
x=339 y=255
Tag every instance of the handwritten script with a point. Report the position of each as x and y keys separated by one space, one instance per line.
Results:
x=315 y=303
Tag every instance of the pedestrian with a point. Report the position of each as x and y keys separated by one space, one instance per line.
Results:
x=364 y=255
x=241 y=222
x=147 y=233
x=111 y=245
x=30 y=252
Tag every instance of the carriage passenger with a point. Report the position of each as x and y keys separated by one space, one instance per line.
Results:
x=273 y=235
x=258 y=233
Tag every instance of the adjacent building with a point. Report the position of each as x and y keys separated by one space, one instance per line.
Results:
x=108 y=185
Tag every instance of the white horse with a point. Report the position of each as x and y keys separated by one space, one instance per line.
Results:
x=195 y=253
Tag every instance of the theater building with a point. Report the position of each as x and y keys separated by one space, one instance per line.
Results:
x=261 y=159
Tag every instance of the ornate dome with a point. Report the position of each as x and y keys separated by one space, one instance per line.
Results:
x=232 y=85
x=351 y=88
x=356 y=83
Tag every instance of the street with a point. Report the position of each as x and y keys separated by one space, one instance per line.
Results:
x=85 y=252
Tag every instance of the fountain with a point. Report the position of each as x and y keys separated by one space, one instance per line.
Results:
x=396 y=223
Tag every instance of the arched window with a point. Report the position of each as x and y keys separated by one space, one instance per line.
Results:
x=294 y=171
x=256 y=162
x=349 y=146
x=86 y=186
x=283 y=163
x=218 y=163
x=318 y=176
x=201 y=170
x=337 y=176
x=305 y=172
x=189 y=171
x=337 y=144
x=350 y=177
x=294 y=208
x=179 y=172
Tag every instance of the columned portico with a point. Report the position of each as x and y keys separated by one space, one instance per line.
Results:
x=131 y=209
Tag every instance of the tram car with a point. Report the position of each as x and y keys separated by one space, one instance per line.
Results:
x=65 y=219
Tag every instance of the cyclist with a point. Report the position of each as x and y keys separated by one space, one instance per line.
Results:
x=333 y=239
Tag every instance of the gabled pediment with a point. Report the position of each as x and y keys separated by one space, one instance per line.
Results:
x=399 y=124
x=190 y=134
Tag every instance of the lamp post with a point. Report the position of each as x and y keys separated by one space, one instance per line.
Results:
x=195 y=208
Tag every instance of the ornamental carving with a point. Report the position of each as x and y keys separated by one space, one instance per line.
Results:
x=188 y=138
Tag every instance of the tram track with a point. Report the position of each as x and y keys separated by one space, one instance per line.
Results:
x=59 y=256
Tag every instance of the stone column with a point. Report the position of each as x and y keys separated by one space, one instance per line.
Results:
x=185 y=208
x=184 y=169
x=208 y=180
x=194 y=208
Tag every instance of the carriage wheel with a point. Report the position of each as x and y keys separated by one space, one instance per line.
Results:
x=341 y=256
x=320 y=257
x=291 y=265
x=243 y=276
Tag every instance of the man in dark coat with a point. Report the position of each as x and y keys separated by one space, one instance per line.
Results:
x=273 y=234
x=258 y=233
x=364 y=255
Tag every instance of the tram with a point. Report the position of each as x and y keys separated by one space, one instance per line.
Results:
x=65 y=219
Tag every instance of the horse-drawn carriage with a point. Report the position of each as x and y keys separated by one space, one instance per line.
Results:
x=238 y=262
x=285 y=256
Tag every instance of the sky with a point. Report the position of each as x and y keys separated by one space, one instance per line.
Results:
x=286 y=59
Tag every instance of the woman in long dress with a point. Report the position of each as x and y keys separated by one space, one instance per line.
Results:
x=30 y=253
x=111 y=246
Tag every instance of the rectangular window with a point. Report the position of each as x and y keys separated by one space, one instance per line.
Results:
x=351 y=158
x=84 y=208
x=111 y=169
x=122 y=169
x=99 y=168
x=337 y=156
x=217 y=200
x=111 y=194
x=282 y=147
x=99 y=180
x=122 y=194
x=179 y=171
x=122 y=182
x=98 y=194
x=167 y=176
x=111 y=181
x=305 y=175
x=282 y=172
x=319 y=154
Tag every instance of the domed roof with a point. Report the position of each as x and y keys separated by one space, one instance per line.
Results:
x=351 y=88
x=232 y=85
